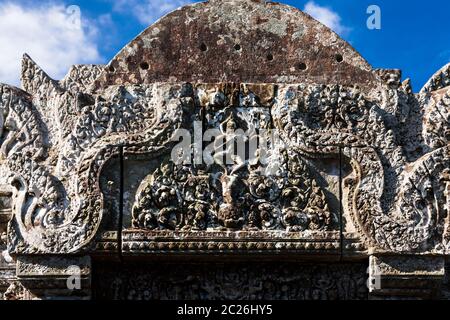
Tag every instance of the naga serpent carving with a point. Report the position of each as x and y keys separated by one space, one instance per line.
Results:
x=58 y=204
x=391 y=145
x=351 y=126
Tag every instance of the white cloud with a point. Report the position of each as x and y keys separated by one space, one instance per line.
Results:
x=327 y=16
x=149 y=11
x=49 y=33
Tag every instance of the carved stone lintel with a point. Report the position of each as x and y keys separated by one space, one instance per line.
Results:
x=55 y=278
x=217 y=132
x=405 y=277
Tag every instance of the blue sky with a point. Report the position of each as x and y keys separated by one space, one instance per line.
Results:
x=414 y=35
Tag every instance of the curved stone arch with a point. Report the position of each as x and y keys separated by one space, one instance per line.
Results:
x=210 y=41
x=385 y=231
x=419 y=229
x=75 y=203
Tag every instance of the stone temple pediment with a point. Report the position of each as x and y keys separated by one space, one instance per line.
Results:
x=247 y=42
x=227 y=132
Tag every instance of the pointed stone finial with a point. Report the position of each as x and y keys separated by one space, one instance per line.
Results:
x=33 y=77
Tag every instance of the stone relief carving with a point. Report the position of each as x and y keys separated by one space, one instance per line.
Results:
x=246 y=201
x=283 y=281
x=322 y=120
x=15 y=292
x=361 y=166
x=315 y=121
x=57 y=202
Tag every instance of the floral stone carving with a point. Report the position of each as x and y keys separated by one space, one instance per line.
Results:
x=91 y=166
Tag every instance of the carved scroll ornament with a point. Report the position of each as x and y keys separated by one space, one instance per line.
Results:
x=391 y=146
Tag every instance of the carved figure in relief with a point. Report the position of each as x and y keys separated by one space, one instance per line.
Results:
x=58 y=136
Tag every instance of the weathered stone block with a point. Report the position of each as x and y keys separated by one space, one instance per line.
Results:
x=355 y=166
